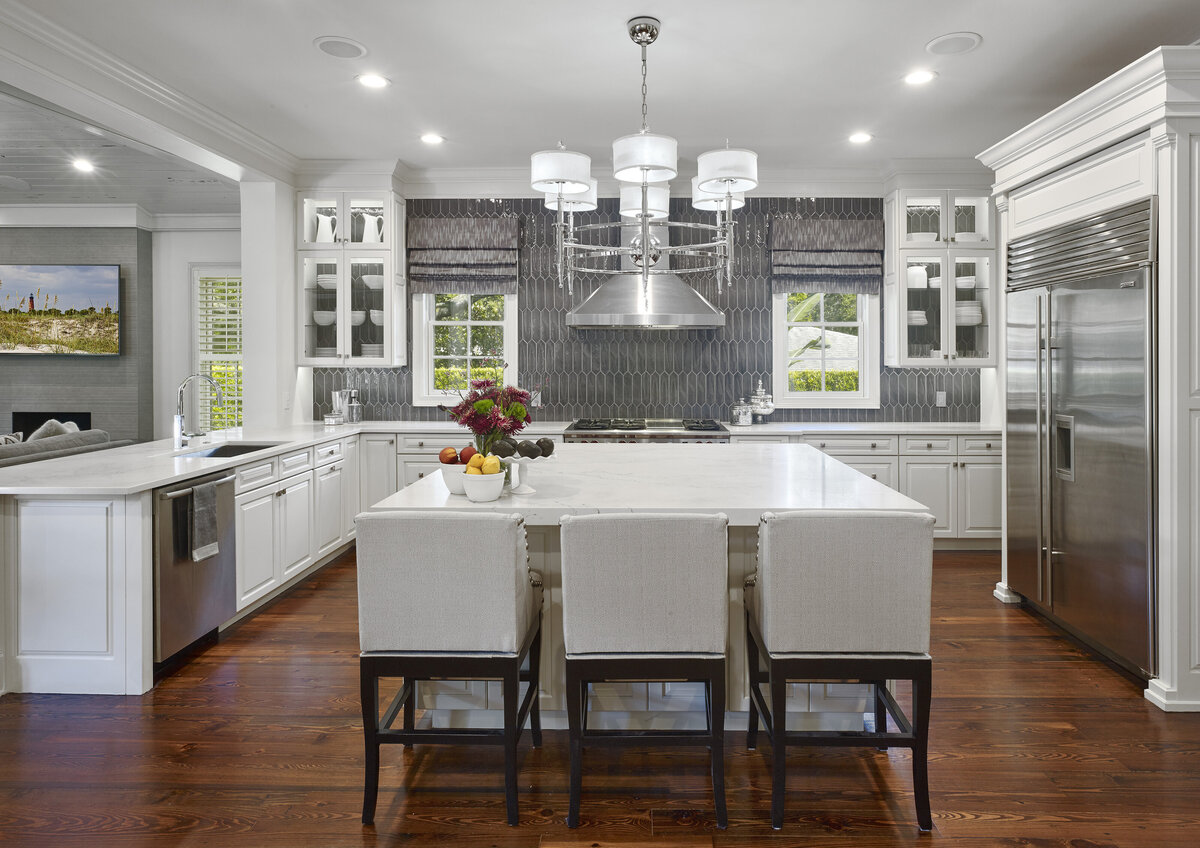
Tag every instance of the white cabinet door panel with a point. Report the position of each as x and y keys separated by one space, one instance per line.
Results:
x=329 y=513
x=255 y=535
x=934 y=483
x=411 y=469
x=295 y=523
x=350 y=488
x=883 y=468
x=981 y=493
x=377 y=477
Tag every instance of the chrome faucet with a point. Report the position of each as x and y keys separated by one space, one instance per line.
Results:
x=180 y=435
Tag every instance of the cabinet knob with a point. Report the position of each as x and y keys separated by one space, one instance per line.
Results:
x=945 y=356
x=420 y=444
x=420 y=474
x=929 y=445
x=822 y=444
x=872 y=445
x=954 y=464
x=874 y=476
x=391 y=441
x=988 y=446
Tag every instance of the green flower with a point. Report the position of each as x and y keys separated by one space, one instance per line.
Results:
x=516 y=411
x=483 y=407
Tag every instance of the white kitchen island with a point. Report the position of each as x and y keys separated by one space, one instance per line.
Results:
x=742 y=480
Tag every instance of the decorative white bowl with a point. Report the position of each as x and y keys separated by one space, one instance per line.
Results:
x=377 y=317
x=968 y=236
x=453 y=476
x=357 y=317
x=323 y=318
x=922 y=236
x=372 y=281
x=327 y=281
x=483 y=487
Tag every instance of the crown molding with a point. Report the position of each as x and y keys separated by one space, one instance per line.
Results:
x=1163 y=84
x=195 y=222
x=469 y=183
x=936 y=173
x=48 y=61
x=75 y=215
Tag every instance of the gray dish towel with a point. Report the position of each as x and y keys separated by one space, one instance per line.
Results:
x=204 y=521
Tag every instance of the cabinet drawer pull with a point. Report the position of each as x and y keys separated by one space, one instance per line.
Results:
x=874 y=476
x=954 y=464
x=420 y=444
x=872 y=446
x=332 y=469
x=822 y=444
x=988 y=446
x=420 y=474
x=929 y=445
x=391 y=441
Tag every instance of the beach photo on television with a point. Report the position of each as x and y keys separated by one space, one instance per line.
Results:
x=71 y=309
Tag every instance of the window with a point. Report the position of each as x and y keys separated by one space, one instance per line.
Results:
x=218 y=315
x=461 y=337
x=826 y=350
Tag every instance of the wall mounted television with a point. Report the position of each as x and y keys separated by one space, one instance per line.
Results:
x=72 y=310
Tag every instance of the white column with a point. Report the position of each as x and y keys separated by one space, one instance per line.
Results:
x=268 y=302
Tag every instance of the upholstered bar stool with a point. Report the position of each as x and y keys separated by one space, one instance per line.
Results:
x=446 y=595
x=842 y=595
x=645 y=598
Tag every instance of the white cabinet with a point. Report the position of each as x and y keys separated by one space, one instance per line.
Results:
x=255 y=534
x=273 y=535
x=736 y=439
x=959 y=479
x=410 y=469
x=941 y=279
x=417 y=453
x=881 y=468
x=329 y=513
x=377 y=468
x=351 y=303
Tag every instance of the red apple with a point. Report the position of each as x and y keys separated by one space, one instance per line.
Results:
x=448 y=456
x=464 y=455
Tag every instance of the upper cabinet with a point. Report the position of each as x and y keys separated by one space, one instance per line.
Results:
x=940 y=276
x=351 y=293
x=345 y=218
x=928 y=218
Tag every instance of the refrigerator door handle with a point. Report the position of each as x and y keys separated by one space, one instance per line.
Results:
x=1041 y=544
x=1045 y=446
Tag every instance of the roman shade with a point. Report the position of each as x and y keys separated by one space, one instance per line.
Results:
x=462 y=255
x=826 y=256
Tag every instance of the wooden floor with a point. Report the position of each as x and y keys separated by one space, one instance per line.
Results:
x=258 y=743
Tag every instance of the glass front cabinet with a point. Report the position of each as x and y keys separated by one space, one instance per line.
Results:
x=351 y=298
x=945 y=308
x=940 y=279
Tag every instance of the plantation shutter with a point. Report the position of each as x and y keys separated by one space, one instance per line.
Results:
x=826 y=256
x=218 y=311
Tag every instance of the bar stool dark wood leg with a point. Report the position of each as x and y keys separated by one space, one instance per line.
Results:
x=716 y=726
x=778 y=727
x=511 y=733
x=410 y=711
x=922 y=692
x=877 y=688
x=369 y=695
x=576 y=702
x=755 y=680
x=535 y=676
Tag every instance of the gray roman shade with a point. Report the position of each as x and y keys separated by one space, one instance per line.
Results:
x=462 y=255
x=827 y=256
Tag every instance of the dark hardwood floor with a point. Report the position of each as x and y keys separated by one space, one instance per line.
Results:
x=258 y=743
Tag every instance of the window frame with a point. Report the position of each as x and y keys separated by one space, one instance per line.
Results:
x=203 y=416
x=423 y=393
x=869 y=360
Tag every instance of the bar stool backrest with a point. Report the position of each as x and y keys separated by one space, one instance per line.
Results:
x=645 y=583
x=454 y=582
x=852 y=581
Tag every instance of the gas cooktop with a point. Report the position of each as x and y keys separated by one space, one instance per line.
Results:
x=648 y=429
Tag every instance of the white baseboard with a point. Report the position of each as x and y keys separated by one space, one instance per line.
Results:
x=1168 y=700
x=1005 y=595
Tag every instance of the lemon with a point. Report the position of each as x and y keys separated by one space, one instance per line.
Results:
x=491 y=465
x=471 y=469
x=475 y=461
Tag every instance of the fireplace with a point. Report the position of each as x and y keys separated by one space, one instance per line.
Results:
x=27 y=422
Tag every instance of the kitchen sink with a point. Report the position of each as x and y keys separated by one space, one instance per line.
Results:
x=228 y=449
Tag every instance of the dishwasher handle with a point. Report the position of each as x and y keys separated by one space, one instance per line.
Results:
x=179 y=493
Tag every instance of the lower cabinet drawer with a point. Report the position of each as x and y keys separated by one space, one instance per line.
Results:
x=979 y=445
x=328 y=453
x=852 y=445
x=928 y=445
x=247 y=477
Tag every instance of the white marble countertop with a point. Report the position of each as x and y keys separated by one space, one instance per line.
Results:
x=743 y=481
x=141 y=467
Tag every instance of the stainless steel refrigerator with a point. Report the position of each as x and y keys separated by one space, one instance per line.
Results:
x=1080 y=437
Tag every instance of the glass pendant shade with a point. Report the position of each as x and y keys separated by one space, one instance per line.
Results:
x=645 y=156
x=711 y=201
x=658 y=199
x=584 y=201
x=550 y=169
x=727 y=170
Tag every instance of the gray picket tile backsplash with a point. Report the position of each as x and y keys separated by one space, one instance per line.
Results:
x=654 y=374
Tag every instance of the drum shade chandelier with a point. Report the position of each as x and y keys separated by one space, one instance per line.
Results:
x=644 y=162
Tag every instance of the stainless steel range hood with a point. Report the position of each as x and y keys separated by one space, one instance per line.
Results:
x=665 y=303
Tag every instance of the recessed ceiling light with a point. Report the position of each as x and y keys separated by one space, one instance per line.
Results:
x=340 y=47
x=373 y=80
x=83 y=165
x=432 y=138
x=954 y=43
x=920 y=77
x=860 y=138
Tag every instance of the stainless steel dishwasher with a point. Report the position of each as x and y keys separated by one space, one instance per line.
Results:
x=191 y=599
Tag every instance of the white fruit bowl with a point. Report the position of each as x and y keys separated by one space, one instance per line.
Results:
x=323 y=319
x=481 y=488
x=452 y=476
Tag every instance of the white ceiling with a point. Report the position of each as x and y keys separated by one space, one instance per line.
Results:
x=788 y=78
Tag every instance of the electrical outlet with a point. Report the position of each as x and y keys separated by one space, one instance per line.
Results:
x=535 y=399
x=940 y=399
x=287 y=401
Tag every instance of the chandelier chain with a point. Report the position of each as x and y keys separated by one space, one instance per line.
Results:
x=645 y=125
